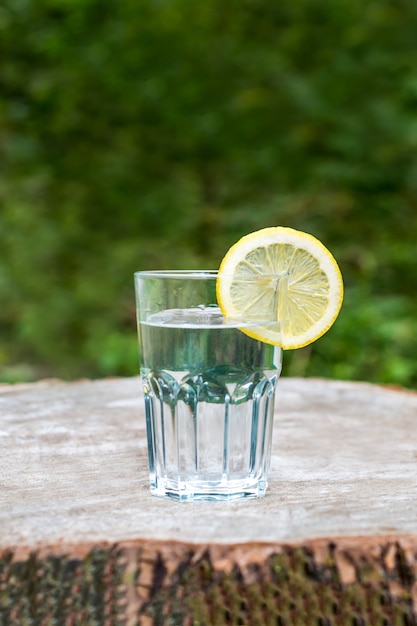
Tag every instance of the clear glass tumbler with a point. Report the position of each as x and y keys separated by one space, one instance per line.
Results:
x=209 y=389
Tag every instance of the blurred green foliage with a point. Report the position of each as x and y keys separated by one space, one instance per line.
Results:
x=154 y=133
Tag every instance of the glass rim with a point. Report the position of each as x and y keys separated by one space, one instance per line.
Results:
x=201 y=274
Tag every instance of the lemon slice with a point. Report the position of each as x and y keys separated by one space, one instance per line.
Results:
x=285 y=279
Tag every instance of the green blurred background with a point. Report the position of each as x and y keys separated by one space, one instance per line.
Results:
x=143 y=134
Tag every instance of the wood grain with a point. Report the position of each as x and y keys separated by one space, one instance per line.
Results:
x=83 y=542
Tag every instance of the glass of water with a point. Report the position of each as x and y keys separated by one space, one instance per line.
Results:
x=209 y=389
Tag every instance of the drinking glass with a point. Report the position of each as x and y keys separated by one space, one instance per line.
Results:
x=209 y=388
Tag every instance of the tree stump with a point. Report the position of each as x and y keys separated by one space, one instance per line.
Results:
x=334 y=541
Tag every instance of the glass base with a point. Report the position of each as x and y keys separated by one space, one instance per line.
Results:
x=208 y=491
x=209 y=438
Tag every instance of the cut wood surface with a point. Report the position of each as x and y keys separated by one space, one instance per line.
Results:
x=78 y=525
x=73 y=467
